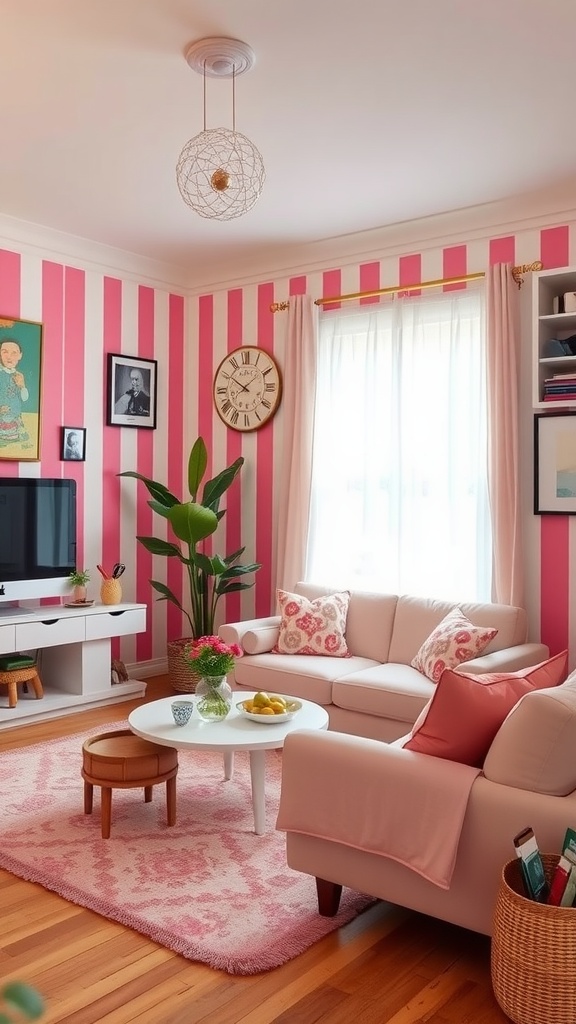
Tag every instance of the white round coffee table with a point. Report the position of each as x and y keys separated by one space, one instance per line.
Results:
x=154 y=721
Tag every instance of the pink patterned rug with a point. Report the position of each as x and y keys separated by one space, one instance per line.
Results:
x=208 y=888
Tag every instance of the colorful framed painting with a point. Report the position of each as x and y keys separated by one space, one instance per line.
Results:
x=20 y=389
x=555 y=463
x=131 y=397
x=73 y=444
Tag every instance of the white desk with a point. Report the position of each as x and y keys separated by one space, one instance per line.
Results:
x=154 y=721
x=74 y=646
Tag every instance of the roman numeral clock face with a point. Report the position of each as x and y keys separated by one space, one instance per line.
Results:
x=247 y=388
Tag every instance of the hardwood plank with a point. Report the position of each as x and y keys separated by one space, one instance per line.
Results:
x=388 y=966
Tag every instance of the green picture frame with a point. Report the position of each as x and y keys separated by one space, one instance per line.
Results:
x=20 y=389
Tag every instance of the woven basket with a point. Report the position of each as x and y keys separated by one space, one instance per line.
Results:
x=533 y=959
x=182 y=676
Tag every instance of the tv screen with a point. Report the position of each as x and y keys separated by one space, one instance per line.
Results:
x=37 y=536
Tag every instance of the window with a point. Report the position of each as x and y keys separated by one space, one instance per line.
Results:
x=399 y=480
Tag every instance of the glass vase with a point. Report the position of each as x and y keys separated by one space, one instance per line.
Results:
x=214 y=698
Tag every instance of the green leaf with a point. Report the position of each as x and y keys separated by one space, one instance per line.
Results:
x=197 y=466
x=214 y=489
x=157 y=490
x=160 y=547
x=24 y=998
x=167 y=594
x=161 y=510
x=192 y=522
x=225 y=587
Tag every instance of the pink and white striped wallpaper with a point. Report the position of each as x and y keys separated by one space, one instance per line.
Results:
x=87 y=314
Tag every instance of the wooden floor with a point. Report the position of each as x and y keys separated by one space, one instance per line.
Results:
x=383 y=968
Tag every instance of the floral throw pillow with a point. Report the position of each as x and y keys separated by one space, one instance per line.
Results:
x=313 y=627
x=453 y=641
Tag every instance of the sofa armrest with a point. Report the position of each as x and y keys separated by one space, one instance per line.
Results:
x=375 y=798
x=255 y=636
x=508 y=660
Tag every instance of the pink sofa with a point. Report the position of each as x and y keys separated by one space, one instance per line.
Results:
x=528 y=778
x=375 y=693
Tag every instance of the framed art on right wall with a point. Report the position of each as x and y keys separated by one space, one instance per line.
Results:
x=555 y=463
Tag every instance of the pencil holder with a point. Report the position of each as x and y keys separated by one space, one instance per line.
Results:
x=110 y=592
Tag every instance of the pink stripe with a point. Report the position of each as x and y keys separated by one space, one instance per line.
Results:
x=9 y=283
x=233 y=499
x=176 y=457
x=298 y=285
x=410 y=272
x=205 y=371
x=454 y=263
x=264 y=469
x=144 y=465
x=112 y=486
x=554 y=530
x=52 y=399
x=73 y=382
x=9 y=307
x=555 y=247
x=369 y=280
x=502 y=250
x=331 y=285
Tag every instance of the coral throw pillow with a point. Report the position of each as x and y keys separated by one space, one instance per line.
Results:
x=453 y=641
x=313 y=627
x=466 y=711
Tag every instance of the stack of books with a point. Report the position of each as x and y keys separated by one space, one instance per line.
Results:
x=561 y=387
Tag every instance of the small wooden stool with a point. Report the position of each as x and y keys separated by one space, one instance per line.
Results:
x=11 y=677
x=122 y=760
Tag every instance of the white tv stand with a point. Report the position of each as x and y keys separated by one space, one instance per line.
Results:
x=74 y=657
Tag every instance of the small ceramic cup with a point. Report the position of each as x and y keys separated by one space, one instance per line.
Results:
x=182 y=711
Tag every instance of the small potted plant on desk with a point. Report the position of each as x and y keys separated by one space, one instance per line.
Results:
x=78 y=579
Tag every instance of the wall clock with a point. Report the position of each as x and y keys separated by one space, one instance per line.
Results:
x=247 y=388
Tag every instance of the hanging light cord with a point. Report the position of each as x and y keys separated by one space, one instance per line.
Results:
x=234 y=98
x=204 y=95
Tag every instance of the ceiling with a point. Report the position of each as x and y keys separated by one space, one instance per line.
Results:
x=367 y=114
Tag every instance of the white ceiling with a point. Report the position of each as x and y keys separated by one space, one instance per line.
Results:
x=367 y=113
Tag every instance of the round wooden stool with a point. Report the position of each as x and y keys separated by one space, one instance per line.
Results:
x=122 y=760
x=11 y=677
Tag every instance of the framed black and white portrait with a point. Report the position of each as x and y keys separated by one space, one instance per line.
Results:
x=131 y=392
x=73 y=444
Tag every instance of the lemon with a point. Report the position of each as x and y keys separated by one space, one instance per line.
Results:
x=276 y=699
x=277 y=708
x=266 y=711
x=261 y=699
x=248 y=705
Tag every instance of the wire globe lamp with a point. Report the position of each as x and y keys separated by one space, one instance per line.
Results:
x=220 y=173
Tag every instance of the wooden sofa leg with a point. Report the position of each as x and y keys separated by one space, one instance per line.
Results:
x=329 y=894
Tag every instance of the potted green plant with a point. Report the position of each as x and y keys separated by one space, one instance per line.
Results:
x=78 y=579
x=210 y=577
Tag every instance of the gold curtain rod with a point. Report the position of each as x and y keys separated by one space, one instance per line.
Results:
x=517 y=272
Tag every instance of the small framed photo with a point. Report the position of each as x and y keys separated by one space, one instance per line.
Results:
x=131 y=398
x=555 y=463
x=73 y=444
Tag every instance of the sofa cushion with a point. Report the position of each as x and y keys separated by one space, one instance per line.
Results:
x=416 y=617
x=455 y=639
x=466 y=711
x=397 y=692
x=370 y=620
x=316 y=627
x=534 y=747
x=296 y=675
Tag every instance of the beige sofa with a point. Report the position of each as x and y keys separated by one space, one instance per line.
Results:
x=375 y=693
x=528 y=779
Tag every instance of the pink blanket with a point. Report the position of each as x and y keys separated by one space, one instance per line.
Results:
x=378 y=798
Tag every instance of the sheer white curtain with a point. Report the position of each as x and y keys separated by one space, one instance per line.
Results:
x=399 y=470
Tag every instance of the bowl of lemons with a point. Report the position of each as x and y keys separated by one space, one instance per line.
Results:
x=269 y=708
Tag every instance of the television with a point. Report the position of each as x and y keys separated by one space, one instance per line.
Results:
x=37 y=538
